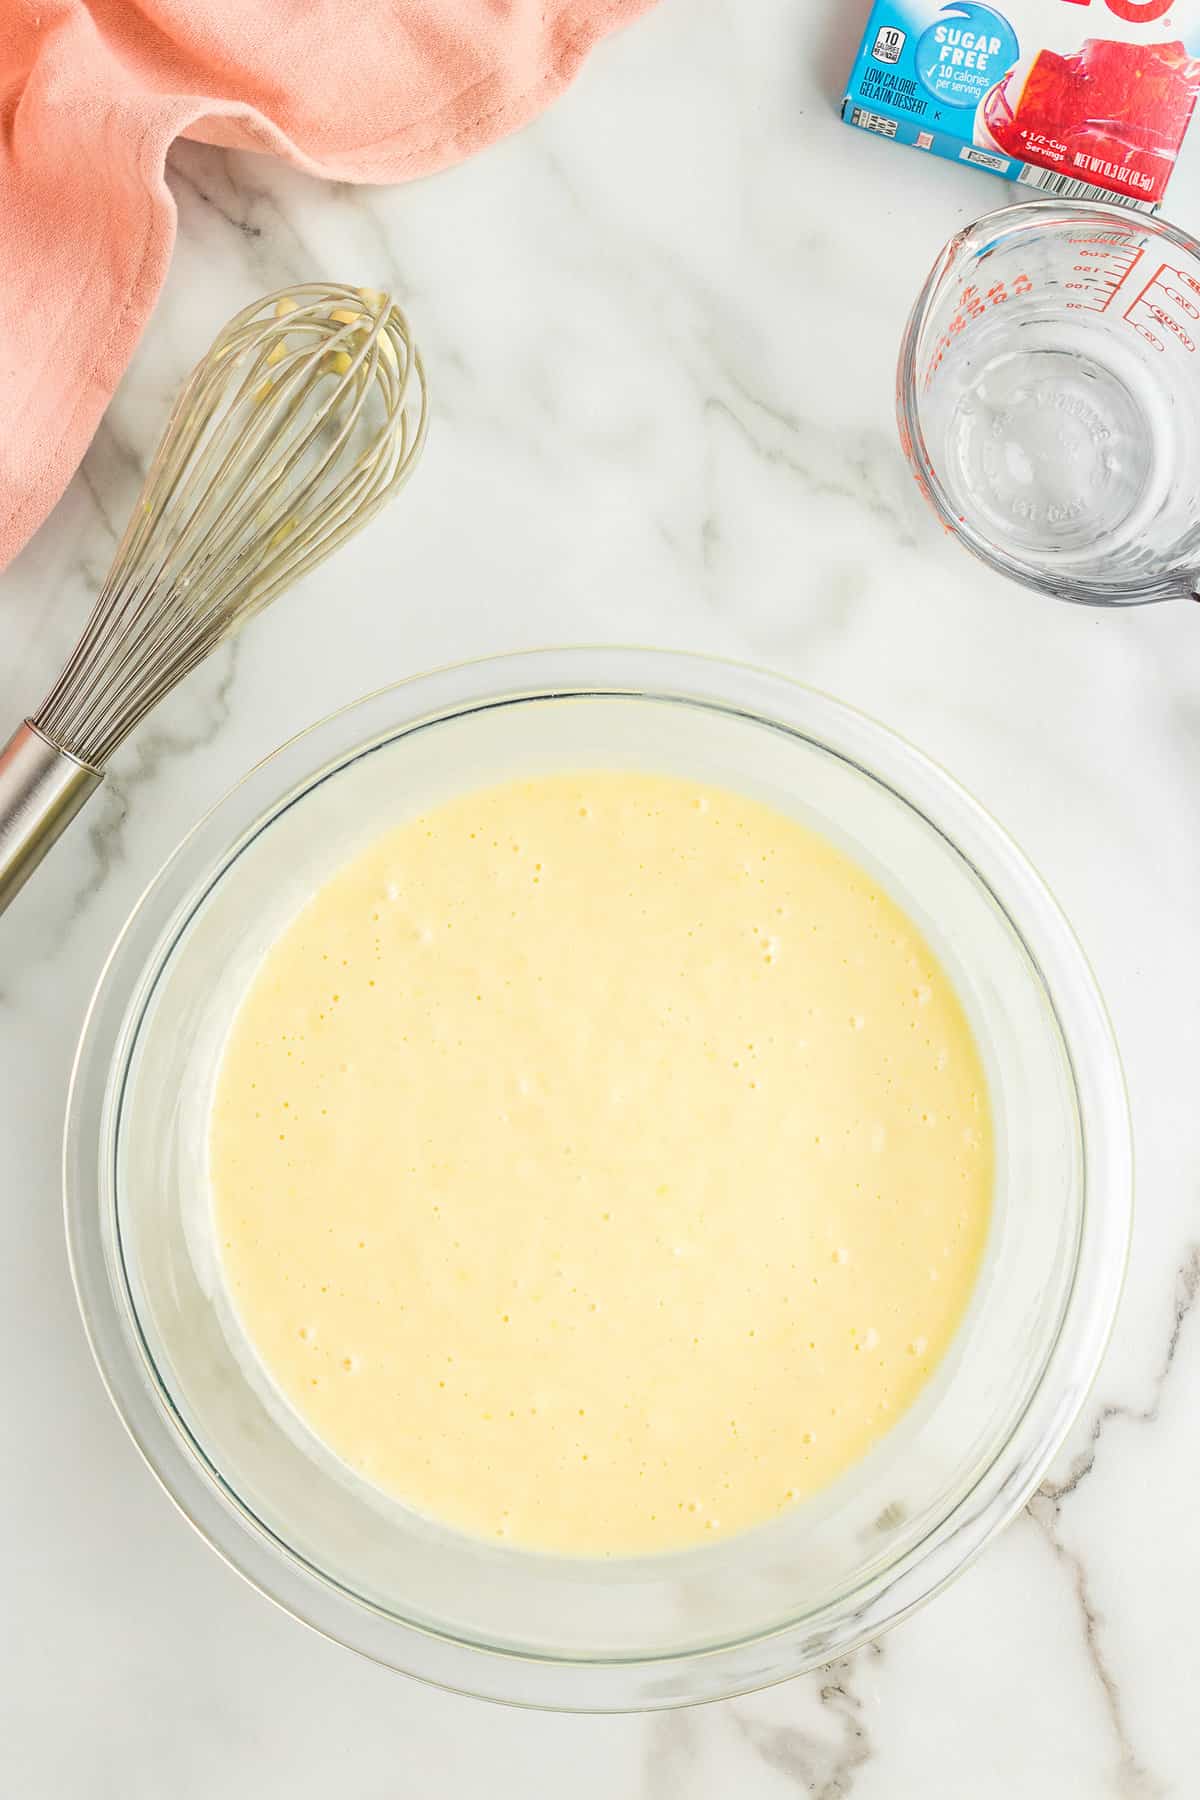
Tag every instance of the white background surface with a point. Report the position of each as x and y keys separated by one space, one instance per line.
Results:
x=661 y=327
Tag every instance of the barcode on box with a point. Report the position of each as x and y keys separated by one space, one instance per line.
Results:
x=985 y=159
x=1068 y=187
x=873 y=121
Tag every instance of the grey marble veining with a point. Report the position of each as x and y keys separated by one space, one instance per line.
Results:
x=661 y=327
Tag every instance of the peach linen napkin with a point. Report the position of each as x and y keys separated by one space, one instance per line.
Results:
x=92 y=92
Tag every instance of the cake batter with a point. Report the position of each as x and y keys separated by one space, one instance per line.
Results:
x=601 y=1163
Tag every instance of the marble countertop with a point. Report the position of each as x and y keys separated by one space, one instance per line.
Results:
x=661 y=327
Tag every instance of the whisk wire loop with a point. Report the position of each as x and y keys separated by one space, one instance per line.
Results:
x=309 y=411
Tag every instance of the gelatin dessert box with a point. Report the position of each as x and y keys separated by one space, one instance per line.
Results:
x=1084 y=99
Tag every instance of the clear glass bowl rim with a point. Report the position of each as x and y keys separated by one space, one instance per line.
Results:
x=1020 y=1462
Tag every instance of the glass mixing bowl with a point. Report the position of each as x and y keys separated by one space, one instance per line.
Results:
x=550 y=1630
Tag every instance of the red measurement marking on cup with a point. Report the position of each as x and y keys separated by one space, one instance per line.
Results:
x=1101 y=267
x=973 y=303
x=1167 y=307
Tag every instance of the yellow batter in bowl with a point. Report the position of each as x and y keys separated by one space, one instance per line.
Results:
x=601 y=1163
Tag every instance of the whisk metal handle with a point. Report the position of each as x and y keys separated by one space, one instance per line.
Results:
x=41 y=790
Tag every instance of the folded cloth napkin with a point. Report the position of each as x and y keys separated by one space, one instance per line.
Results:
x=92 y=92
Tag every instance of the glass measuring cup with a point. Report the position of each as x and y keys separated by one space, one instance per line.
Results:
x=1048 y=398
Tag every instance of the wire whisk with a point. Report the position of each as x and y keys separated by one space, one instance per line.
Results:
x=307 y=414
